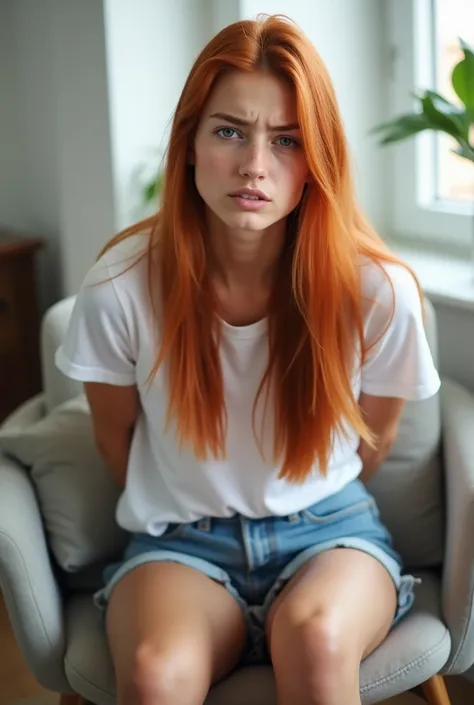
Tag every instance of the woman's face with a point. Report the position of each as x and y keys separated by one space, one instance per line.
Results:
x=248 y=138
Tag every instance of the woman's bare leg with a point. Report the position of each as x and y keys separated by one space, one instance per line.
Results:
x=172 y=632
x=332 y=615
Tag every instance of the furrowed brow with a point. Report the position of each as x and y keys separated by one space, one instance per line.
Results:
x=240 y=121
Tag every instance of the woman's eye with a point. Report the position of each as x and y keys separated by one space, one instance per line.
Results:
x=230 y=133
x=226 y=132
x=287 y=142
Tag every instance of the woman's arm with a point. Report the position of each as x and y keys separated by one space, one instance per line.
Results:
x=114 y=414
x=382 y=416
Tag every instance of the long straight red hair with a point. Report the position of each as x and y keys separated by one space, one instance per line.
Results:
x=316 y=314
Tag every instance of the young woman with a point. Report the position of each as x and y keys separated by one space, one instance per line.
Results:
x=246 y=355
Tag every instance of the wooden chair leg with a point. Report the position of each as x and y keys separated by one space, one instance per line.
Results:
x=434 y=691
x=69 y=699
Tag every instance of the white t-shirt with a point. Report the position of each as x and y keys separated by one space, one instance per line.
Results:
x=111 y=338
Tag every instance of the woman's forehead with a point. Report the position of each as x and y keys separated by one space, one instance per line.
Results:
x=258 y=96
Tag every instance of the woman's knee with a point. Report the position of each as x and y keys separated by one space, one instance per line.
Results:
x=164 y=676
x=318 y=641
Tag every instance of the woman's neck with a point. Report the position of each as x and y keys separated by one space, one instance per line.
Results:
x=242 y=268
x=245 y=259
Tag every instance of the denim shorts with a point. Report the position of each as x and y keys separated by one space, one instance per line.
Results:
x=254 y=558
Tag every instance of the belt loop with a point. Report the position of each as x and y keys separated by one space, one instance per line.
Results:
x=204 y=524
x=294 y=518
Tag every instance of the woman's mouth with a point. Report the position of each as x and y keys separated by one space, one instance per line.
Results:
x=249 y=203
x=249 y=199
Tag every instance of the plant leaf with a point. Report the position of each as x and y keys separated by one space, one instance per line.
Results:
x=465 y=151
x=402 y=127
x=440 y=121
x=443 y=105
x=150 y=192
x=469 y=118
x=454 y=112
x=464 y=45
x=396 y=136
x=462 y=77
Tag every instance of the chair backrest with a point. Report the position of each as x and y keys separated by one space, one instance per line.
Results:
x=56 y=386
x=408 y=487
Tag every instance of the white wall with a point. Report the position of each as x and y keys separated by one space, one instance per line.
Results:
x=348 y=36
x=60 y=186
x=28 y=182
x=86 y=195
x=12 y=155
x=87 y=87
x=36 y=116
x=149 y=55
x=224 y=13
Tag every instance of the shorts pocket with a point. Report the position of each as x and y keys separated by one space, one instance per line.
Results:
x=319 y=514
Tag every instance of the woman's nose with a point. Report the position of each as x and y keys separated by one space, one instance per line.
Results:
x=255 y=163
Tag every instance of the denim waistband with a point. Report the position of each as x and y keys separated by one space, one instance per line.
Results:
x=206 y=523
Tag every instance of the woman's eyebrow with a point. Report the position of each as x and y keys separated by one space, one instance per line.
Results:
x=240 y=121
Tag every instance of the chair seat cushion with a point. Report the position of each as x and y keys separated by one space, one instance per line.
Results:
x=415 y=650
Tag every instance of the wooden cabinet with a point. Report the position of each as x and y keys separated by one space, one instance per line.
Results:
x=20 y=369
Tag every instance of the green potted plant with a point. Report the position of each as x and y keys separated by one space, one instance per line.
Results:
x=147 y=184
x=152 y=189
x=439 y=114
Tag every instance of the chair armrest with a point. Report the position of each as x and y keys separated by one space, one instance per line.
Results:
x=457 y=406
x=27 y=580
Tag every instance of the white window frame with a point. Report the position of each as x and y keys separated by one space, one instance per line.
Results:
x=416 y=217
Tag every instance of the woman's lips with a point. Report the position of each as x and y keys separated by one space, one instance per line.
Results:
x=249 y=204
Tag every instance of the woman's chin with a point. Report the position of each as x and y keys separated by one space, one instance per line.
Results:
x=248 y=221
x=235 y=220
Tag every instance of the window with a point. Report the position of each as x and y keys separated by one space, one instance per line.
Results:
x=452 y=19
x=433 y=189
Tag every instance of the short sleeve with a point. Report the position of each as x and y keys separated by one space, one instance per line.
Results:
x=97 y=346
x=400 y=364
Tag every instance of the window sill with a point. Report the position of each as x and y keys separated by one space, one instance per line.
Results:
x=445 y=279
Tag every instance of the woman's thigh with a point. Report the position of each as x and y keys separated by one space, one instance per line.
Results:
x=172 y=631
x=352 y=593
